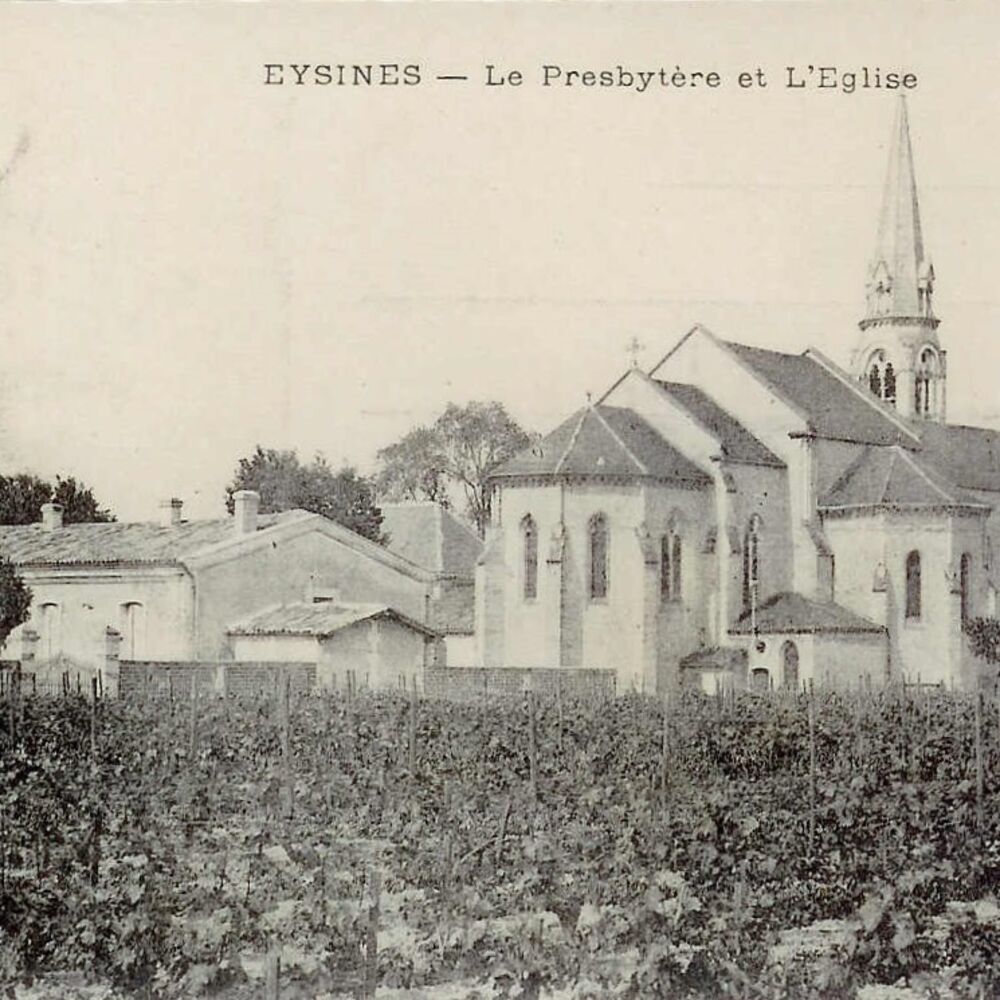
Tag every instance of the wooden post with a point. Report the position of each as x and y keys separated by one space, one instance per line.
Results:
x=980 y=776
x=532 y=747
x=413 y=729
x=286 y=748
x=812 y=771
x=371 y=935
x=193 y=719
x=273 y=982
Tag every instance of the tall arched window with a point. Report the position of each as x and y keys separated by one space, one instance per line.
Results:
x=530 y=534
x=751 y=562
x=923 y=378
x=670 y=566
x=881 y=377
x=964 y=584
x=913 y=585
x=599 y=581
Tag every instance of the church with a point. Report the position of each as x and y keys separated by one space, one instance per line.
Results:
x=741 y=516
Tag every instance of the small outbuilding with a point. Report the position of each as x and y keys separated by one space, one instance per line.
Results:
x=380 y=646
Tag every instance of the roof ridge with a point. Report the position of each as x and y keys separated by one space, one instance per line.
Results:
x=925 y=475
x=572 y=440
x=883 y=408
x=628 y=451
x=697 y=328
x=893 y=455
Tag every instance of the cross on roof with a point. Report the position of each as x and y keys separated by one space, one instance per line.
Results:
x=634 y=349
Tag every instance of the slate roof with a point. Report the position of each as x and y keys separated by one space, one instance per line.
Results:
x=320 y=619
x=790 y=612
x=968 y=456
x=735 y=441
x=715 y=658
x=604 y=441
x=432 y=537
x=833 y=408
x=892 y=477
x=121 y=542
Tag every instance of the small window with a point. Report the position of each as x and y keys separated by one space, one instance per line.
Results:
x=964 y=584
x=599 y=582
x=751 y=563
x=913 y=596
x=675 y=561
x=530 y=533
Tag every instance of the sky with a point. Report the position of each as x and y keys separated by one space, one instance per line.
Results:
x=193 y=262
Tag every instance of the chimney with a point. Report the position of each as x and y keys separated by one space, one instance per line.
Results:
x=52 y=516
x=170 y=512
x=245 y=504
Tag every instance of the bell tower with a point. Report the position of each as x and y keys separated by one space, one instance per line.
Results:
x=898 y=356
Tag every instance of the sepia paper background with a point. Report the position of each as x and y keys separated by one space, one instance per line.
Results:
x=192 y=262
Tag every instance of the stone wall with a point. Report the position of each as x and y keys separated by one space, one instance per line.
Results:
x=151 y=679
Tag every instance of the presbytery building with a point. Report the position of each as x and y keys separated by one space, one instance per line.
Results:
x=740 y=515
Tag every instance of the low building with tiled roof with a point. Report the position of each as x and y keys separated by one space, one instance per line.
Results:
x=372 y=644
x=760 y=513
x=170 y=590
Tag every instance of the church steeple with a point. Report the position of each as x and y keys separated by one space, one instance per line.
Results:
x=898 y=355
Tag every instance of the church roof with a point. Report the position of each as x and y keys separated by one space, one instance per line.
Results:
x=968 y=456
x=604 y=441
x=832 y=404
x=889 y=478
x=431 y=537
x=736 y=442
x=122 y=542
x=791 y=612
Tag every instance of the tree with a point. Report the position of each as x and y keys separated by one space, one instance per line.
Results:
x=462 y=448
x=22 y=496
x=15 y=599
x=414 y=468
x=285 y=483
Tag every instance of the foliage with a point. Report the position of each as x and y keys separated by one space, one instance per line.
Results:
x=657 y=856
x=22 y=496
x=463 y=447
x=984 y=638
x=284 y=482
x=15 y=599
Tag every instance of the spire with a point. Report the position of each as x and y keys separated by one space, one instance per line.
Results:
x=900 y=278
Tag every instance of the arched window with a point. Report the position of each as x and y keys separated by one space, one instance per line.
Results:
x=530 y=534
x=751 y=563
x=913 y=585
x=926 y=370
x=889 y=384
x=875 y=381
x=790 y=665
x=670 y=566
x=598 y=557
x=133 y=628
x=964 y=583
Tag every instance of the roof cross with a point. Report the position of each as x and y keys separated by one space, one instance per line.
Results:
x=634 y=349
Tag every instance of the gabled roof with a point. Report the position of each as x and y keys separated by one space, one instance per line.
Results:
x=832 y=405
x=320 y=619
x=968 y=456
x=123 y=542
x=432 y=537
x=735 y=441
x=604 y=441
x=892 y=478
x=790 y=612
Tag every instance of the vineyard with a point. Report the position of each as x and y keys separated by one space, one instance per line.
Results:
x=368 y=844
